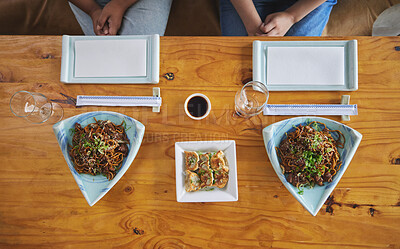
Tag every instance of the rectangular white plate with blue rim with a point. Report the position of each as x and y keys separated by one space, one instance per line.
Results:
x=260 y=55
x=152 y=60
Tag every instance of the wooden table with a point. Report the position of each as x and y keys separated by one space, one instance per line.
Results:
x=41 y=205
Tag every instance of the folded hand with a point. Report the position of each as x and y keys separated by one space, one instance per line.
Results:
x=95 y=17
x=276 y=24
x=110 y=19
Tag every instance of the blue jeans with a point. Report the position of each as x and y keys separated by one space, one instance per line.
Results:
x=311 y=25
x=145 y=17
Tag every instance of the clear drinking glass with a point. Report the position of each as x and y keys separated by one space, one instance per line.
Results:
x=251 y=99
x=35 y=107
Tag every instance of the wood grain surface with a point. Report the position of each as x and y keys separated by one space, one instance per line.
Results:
x=42 y=207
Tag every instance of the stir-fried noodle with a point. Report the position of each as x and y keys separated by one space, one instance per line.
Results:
x=309 y=155
x=99 y=148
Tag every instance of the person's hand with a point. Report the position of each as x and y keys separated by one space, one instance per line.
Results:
x=110 y=18
x=95 y=17
x=276 y=24
x=254 y=29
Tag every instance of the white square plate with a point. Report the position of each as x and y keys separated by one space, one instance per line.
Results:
x=228 y=193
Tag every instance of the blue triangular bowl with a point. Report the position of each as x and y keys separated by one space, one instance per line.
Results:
x=312 y=199
x=94 y=188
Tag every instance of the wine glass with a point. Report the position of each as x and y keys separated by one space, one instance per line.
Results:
x=251 y=99
x=35 y=107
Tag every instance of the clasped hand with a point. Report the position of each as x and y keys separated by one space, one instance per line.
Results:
x=107 y=21
x=276 y=24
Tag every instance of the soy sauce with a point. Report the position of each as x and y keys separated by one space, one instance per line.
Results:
x=197 y=106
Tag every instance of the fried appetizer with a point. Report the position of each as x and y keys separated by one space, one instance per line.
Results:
x=206 y=177
x=204 y=161
x=218 y=162
x=192 y=158
x=220 y=178
x=192 y=181
x=205 y=170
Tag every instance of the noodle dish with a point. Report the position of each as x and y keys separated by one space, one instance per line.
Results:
x=98 y=147
x=310 y=155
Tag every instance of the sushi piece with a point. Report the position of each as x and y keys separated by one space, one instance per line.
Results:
x=192 y=159
x=192 y=181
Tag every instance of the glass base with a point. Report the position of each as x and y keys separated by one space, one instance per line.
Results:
x=56 y=115
x=242 y=114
